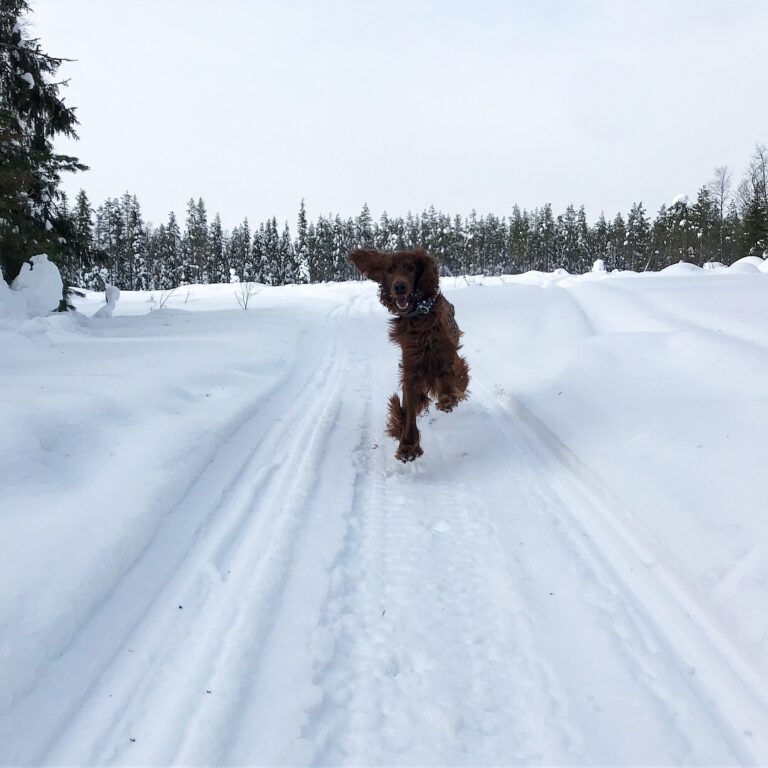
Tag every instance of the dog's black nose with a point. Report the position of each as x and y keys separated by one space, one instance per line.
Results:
x=400 y=288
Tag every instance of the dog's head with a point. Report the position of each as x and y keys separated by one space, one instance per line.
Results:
x=404 y=277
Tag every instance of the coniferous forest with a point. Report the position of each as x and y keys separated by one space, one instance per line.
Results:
x=112 y=243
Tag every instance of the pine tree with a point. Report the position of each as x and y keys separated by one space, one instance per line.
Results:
x=661 y=238
x=195 y=244
x=732 y=234
x=617 y=244
x=680 y=231
x=517 y=246
x=83 y=236
x=217 y=267
x=307 y=267
x=172 y=256
x=271 y=253
x=755 y=226
x=290 y=272
x=599 y=241
x=324 y=249
x=637 y=238
x=545 y=237
x=567 y=233
x=32 y=114
x=704 y=227
x=364 y=228
x=754 y=196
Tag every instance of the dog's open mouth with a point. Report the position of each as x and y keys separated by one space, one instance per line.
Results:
x=403 y=301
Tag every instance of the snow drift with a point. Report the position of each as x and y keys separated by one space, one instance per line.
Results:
x=209 y=554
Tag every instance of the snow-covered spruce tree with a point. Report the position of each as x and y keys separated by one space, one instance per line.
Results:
x=598 y=239
x=584 y=252
x=292 y=272
x=680 y=230
x=136 y=243
x=638 y=237
x=660 y=249
x=753 y=195
x=32 y=114
x=109 y=239
x=517 y=241
x=323 y=246
x=82 y=242
x=755 y=226
x=567 y=233
x=343 y=241
x=195 y=242
x=171 y=255
x=271 y=253
x=732 y=234
x=301 y=251
x=260 y=267
x=617 y=243
x=546 y=239
x=704 y=227
x=364 y=228
x=217 y=267
x=247 y=269
x=494 y=244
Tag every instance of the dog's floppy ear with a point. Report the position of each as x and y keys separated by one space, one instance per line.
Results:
x=427 y=279
x=371 y=263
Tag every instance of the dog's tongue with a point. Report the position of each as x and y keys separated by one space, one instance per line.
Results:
x=402 y=303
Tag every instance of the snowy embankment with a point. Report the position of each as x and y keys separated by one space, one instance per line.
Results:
x=210 y=555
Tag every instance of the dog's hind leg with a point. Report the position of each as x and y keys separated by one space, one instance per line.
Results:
x=451 y=388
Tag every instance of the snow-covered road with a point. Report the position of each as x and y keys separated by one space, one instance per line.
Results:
x=233 y=569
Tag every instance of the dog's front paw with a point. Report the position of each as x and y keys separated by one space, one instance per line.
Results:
x=447 y=405
x=407 y=453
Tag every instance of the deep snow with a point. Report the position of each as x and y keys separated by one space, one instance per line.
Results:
x=210 y=556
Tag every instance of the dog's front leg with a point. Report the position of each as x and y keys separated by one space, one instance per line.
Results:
x=410 y=448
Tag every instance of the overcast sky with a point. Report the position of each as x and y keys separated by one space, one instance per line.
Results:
x=254 y=105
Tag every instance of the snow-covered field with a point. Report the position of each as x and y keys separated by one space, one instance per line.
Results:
x=208 y=554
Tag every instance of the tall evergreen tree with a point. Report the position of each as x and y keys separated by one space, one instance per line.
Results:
x=637 y=238
x=364 y=228
x=599 y=240
x=217 y=267
x=617 y=243
x=305 y=261
x=82 y=241
x=32 y=114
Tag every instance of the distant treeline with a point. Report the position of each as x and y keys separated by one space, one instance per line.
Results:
x=113 y=244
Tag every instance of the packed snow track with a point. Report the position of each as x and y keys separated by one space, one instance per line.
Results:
x=246 y=576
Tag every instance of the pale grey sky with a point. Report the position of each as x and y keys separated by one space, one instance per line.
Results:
x=253 y=105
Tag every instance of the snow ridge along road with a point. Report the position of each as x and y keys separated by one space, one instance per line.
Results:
x=306 y=600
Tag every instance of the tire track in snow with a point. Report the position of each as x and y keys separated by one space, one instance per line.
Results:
x=430 y=655
x=274 y=661
x=681 y=656
x=227 y=615
x=104 y=656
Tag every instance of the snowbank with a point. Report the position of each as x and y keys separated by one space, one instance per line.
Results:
x=681 y=268
x=112 y=295
x=13 y=305
x=39 y=283
x=262 y=538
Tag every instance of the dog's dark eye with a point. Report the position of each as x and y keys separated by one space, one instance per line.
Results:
x=409 y=267
x=390 y=270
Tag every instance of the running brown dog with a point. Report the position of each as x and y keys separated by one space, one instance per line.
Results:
x=425 y=328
